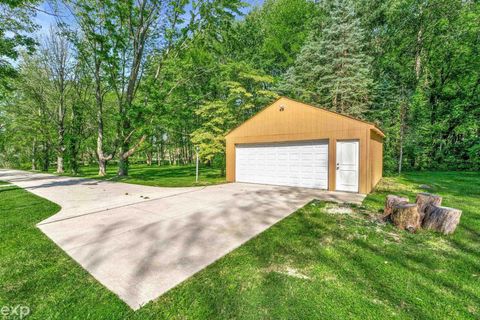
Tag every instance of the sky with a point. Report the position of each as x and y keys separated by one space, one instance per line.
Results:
x=44 y=20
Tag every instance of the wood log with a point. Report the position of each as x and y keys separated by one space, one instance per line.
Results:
x=390 y=202
x=426 y=199
x=405 y=216
x=442 y=219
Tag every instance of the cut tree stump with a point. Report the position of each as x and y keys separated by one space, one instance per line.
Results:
x=390 y=202
x=405 y=216
x=426 y=199
x=442 y=219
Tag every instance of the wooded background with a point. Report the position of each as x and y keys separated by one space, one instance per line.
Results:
x=146 y=81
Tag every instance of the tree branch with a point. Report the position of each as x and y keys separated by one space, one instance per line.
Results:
x=127 y=154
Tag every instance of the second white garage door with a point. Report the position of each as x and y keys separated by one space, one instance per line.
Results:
x=299 y=164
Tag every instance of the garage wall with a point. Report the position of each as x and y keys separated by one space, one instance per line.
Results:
x=376 y=158
x=302 y=122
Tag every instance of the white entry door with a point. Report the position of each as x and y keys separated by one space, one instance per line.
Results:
x=299 y=164
x=347 y=166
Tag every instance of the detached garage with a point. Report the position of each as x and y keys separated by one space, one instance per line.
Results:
x=290 y=143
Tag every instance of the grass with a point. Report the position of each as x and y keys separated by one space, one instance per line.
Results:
x=317 y=263
x=159 y=176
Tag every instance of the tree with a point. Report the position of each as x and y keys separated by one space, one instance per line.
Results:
x=16 y=28
x=271 y=36
x=94 y=44
x=182 y=74
x=81 y=111
x=143 y=23
x=125 y=34
x=132 y=30
x=29 y=123
x=332 y=68
x=426 y=52
x=56 y=52
x=245 y=92
x=147 y=83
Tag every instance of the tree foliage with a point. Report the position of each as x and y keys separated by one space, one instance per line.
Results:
x=332 y=69
x=16 y=32
x=151 y=80
x=242 y=92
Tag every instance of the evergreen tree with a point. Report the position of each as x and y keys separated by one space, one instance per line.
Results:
x=332 y=70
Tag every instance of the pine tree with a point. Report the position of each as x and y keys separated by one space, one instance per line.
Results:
x=332 y=70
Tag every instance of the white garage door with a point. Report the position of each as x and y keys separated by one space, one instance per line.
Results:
x=299 y=164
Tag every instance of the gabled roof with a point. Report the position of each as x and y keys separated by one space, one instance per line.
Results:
x=374 y=126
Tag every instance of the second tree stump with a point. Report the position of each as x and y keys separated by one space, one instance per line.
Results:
x=442 y=219
x=405 y=216
x=424 y=200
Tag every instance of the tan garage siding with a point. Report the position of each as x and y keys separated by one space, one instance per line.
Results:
x=302 y=122
x=376 y=158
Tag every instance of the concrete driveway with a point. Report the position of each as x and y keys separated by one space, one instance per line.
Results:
x=141 y=241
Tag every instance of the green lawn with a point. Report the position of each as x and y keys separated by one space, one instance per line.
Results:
x=313 y=264
x=160 y=176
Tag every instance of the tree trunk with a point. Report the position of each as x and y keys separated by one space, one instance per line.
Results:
x=390 y=202
x=162 y=153
x=74 y=153
x=124 y=135
x=158 y=155
x=46 y=156
x=61 y=139
x=59 y=164
x=442 y=219
x=125 y=153
x=403 y=111
x=122 y=166
x=424 y=200
x=405 y=216
x=418 y=53
x=181 y=153
x=61 y=144
x=149 y=157
x=400 y=157
x=100 y=155
x=76 y=132
x=101 y=158
x=102 y=167
x=224 y=164
x=34 y=155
